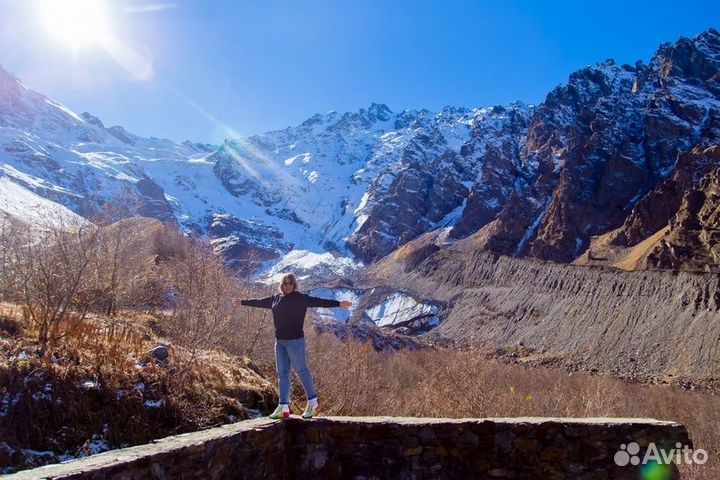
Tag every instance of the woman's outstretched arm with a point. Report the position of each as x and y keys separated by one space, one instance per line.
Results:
x=325 y=302
x=258 y=302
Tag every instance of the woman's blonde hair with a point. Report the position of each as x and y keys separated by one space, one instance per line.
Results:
x=288 y=278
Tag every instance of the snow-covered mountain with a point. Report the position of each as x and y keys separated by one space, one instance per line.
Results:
x=335 y=190
x=361 y=184
x=339 y=190
x=75 y=161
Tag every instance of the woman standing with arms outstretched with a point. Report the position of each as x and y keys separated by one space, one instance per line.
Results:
x=288 y=309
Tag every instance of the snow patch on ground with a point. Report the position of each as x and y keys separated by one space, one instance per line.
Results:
x=154 y=403
x=97 y=444
x=398 y=309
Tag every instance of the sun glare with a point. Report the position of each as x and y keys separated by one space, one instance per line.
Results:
x=75 y=22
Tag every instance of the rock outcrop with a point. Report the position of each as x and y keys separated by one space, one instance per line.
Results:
x=693 y=240
x=600 y=153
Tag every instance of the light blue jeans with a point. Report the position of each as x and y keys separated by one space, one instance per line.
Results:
x=292 y=353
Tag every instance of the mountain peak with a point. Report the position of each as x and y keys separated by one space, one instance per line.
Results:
x=92 y=119
x=697 y=57
x=711 y=35
x=709 y=42
x=379 y=111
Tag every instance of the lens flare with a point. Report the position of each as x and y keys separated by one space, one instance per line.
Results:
x=656 y=471
x=136 y=64
x=243 y=152
x=155 y=7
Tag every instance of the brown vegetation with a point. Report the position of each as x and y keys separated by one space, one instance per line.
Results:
x=353 y=379
x=83 y=305
x=100 y=389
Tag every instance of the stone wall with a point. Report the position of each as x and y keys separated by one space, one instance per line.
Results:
x=542 y=448
x=250 y=449
x=382 y=447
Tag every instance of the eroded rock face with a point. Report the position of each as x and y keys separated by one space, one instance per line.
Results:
x=152 y=202
x=617 y=147
x=657 y=208
x=497 y=147
x=602 y=143
x=244 y=244
x=611 y=148
x=366 y=183
x=583 y=317
x=438 y=184
x=693 y=242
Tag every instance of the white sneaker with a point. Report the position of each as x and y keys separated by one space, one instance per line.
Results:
x=282 y=411
x=311 y=410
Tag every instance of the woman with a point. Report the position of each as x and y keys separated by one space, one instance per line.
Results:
x=288 y=310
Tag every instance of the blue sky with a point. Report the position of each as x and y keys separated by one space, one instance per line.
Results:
x=243 y=67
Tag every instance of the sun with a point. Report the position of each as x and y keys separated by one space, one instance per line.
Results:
x=77 y=23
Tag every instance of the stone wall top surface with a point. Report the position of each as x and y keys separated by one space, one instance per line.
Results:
x=504 y=420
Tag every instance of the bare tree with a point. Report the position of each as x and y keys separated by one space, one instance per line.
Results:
x=107 y=267
x=6 y=271
x=204 y=307
x=170 y=244
x=51 y=274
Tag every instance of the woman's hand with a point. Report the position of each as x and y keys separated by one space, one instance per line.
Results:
x=345 y=304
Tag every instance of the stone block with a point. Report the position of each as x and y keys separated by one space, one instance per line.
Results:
x=409 y=452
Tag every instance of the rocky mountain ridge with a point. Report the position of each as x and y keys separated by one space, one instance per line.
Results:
x=598 y=147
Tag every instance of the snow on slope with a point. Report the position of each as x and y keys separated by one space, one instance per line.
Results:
x=312 y=186
x=32 y=208
x=398 y=309
x=341 y=315
x=305 y=264
x=306 y=182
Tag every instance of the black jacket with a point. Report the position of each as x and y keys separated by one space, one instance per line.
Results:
x=289 y=311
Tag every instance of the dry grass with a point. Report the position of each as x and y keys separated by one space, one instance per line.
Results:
x=98 y=382
x=354 y=379
x=74 y=363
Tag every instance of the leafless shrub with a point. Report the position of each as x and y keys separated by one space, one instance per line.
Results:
x=50 y=275
x=170 y=244
x=10 y=235
x=251 y=330
x=107 y=270
x=346 y=380
x=205 y=305
x=123 y=272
